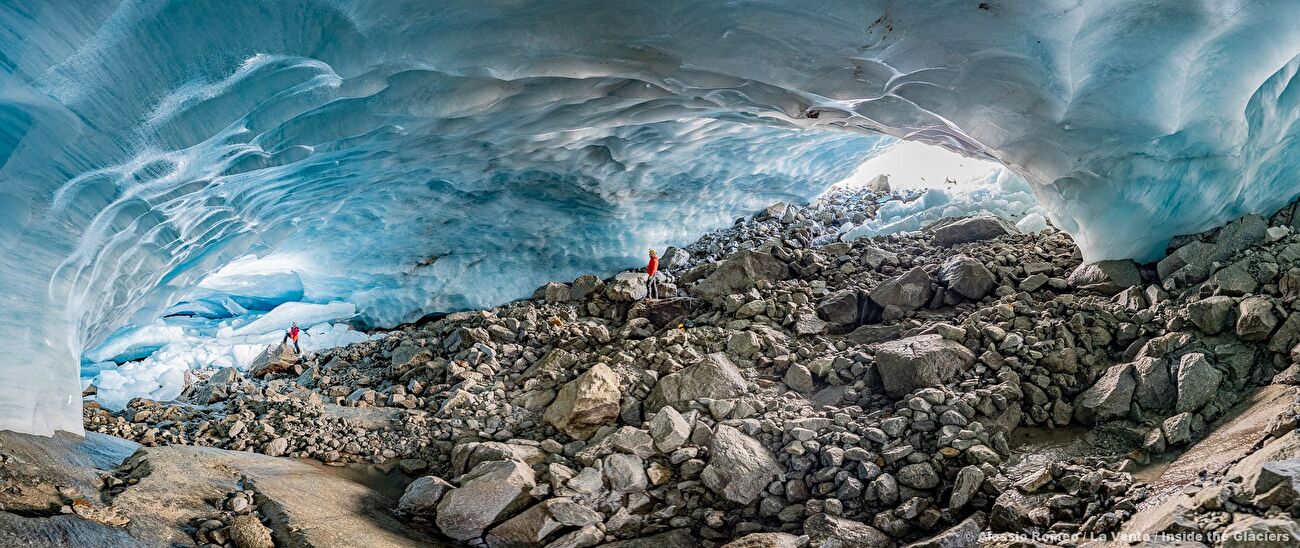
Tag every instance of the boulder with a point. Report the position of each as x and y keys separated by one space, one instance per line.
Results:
x=825 y=530
x=714 y=376
x=585 y=286
x=624 y=473
x=1255 y=319
x=968 y=482
x=1109 y=397
x=489 y=493
x=774 y=211
x=1210 y=314
x=879 y=183
x=247 y=532
x=627 y=286
x=1235 y=279
x=586 y=403
x=1107 y=277
x=917 y=362
x=555 y=292
x=669 y=429
x=407 y=356
x=809 y=324
x=768 y=540
x=918 y=476
x=1197 y=382
x=739 y=273
x=740 y=467
x=533 y=526
x=467 y=456
x=422 y=495
x=1256 y=532
x=278 y=358
x=963 y=535
x=840 y=308
x=967 y=277
x=799 y=379
x=674 y=258
x=1178 y=429
x=909 y=291
x=950 y=232
x=1154 y=390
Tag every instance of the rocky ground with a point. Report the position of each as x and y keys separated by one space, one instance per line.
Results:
x=788 y=390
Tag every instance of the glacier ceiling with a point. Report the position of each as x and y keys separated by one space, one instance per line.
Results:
x=416 y=156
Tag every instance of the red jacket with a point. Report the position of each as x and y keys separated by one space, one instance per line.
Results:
x=293 y=334
x=653 y=266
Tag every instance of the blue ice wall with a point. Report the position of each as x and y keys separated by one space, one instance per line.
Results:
x=144 y=145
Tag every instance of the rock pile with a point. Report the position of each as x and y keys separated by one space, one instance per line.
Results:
x=788 y=388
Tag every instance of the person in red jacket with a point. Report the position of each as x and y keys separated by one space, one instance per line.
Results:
x=292 y=333
x=652 y=283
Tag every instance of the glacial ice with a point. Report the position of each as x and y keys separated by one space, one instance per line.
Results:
x=410 y=159
x=999 y=192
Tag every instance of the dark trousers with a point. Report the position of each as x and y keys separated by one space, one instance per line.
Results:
x=295 y=343
x=652 y=288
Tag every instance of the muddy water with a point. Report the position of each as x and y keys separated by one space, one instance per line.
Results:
x=1033 y=448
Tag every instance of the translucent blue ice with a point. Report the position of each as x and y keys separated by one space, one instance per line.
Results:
x=408 y=156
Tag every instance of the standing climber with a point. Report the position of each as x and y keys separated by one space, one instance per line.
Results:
x=292 y=333
x=652 y=283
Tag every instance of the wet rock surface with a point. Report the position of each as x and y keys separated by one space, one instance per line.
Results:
x=791 y=389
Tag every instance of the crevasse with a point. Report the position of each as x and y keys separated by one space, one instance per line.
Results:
x=409 y=157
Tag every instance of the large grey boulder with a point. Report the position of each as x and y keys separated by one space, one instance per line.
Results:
x=422 y=495
x=1210 y=314
x=740 y=467
x=950 y=232
x=627 y=286
x=967 y=277
x=840 y=308
x=1155 y=388
x=1108 y=277
x=1256 y=532
x=739 y=273
x=714 y=376
x=1109 y=397
x=1197 y=382
x=669 y=429
x=533 y=526
x=968 y=482
x=586 y=403
x=919 y=362
x=909 y=291
x=825 y=530
x=277 y=358
x=1255 y=319
x=491 y=492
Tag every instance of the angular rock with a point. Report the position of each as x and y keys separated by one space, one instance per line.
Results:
x=1178 y=429
x=831 y=531
x=918 y=476
x=277 y=358
x=919 y=362
x=491 y=492
x=247 y=532
x=1107 y=277
x=533 y=526
x=1197 y=382
x=669 y=429
x=1255 y=319
x=740 y=467
x=950 y=232
x=768 y=540
x=799 y=379
x=714 y=376
x=422 y=495
x=1109 y=397
x=1256 y=532
x=1155 y=388
x=909 y=291
x=585 y=286
x=625 y=473
x=739 y=272
x=586 y=403
x=968 y=482
x=627 y=286
x=840 y=308
x=1210 y=314
x=967 y=276
x=963 y=535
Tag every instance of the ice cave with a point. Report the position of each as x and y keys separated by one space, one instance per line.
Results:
x=1083 y=251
